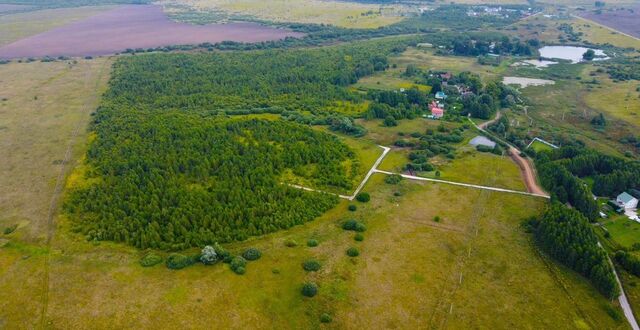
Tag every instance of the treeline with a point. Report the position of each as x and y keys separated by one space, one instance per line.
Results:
x=299 y=80
x=466 y=45
x=567 y=236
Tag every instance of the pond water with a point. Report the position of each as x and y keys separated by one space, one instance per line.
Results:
x=482 y=140
x=525 y=82
x=570 y=53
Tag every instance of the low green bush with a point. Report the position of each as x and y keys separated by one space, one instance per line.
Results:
x=359 y=237
x=363 y=197
x=252 y=254
x=10 y=229
x=290 y=243
x=150 y=259
x=354 y=225
x=312 y=243
x=238 y=265
x=352 y=208
x=393 y=179
x=325 y=318
x=178 y=261
x=309 y=289
x=311 y=265
x=353 y=252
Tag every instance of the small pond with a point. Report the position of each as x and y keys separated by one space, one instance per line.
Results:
x=569 y=53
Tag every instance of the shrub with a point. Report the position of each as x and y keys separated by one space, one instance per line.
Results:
x=360 y=227
x=252 y=254
x=238 y=265
x=290 y=243
x=208 y=256
x=177 y=261
x=150 y=259
x=349 y=225
x=222 y=253
x=359 y=237
x=325 y=318
x=309 y=289
x=311 y=265
x=436 y=218
x=363 y=197
x=352 y=208
x=312 y=243
x=393 y=179
x=10 y=229
x=353 y=252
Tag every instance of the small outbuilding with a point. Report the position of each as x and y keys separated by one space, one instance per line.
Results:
x=441 y=95
x=627 y=201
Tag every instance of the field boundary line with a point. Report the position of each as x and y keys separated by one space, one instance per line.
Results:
x=53 y=205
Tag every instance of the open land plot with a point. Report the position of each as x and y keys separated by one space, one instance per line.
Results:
x=426 y=59
x=539 y=146
x=624 y=231
x=339 y=13
x=619 y=99
x=17 y=26
x=408 y=273
x=42 y=107
x=626 y=20
x=143 y=26
x=600 y=34
x=389 y=80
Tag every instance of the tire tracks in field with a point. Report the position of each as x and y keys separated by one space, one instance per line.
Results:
x=449 y=289
x=53 y=205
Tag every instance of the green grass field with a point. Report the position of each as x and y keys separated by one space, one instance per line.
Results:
x=344 y=14
x=624 y=232
x=21 y=25
x=539 y=146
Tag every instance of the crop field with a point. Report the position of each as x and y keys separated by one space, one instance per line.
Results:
x=17 y=26
x=339 y=13
x=133 y=27
x=626 y=20
x=600 y=34
x=44 y=112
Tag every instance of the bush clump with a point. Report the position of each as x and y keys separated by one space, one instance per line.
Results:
x=178 y=261
x=311 y=265
x=290 y=243
x=352 y=207
x=238 y=265
x=393 y=179
x=359 y=237
x=312 y=243
x=252 y=254
x=354 y=225
x=150 y=259
x=325 y=318
x=363 y=197
x=353 y=252
x=10 y=229
x=309 y=289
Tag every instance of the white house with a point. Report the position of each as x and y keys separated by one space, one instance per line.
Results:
x=627 y=201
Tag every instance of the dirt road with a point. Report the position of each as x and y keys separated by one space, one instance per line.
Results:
x=525 y=165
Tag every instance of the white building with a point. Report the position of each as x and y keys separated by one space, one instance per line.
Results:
x=627 y=201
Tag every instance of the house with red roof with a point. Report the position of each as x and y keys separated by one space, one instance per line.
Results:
x=436 y=111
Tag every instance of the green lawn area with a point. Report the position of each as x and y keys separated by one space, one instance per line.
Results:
x=539 y=146
x=387 y=81
x=623 y=231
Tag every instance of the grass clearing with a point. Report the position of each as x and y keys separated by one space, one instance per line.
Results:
x=344 y=14
x=539 y=146
x=45 y=104
x=20 y=25
x=623 y=231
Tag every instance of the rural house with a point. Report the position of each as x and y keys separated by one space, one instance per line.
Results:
x=436 y=111
x=627 y=201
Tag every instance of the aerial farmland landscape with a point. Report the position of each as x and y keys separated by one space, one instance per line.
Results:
x=319 y=164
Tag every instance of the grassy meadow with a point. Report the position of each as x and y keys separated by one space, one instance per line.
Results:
x=339 y=13
x=44 y=112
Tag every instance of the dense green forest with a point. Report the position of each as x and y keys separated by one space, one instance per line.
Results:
x=300 y=79
x=567 y=236
x=561 y=171
x=171 y=170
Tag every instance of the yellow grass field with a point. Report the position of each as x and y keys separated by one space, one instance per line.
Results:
x=17 y=26
x=600 y=34
x=44 y=110
x=340 y=13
